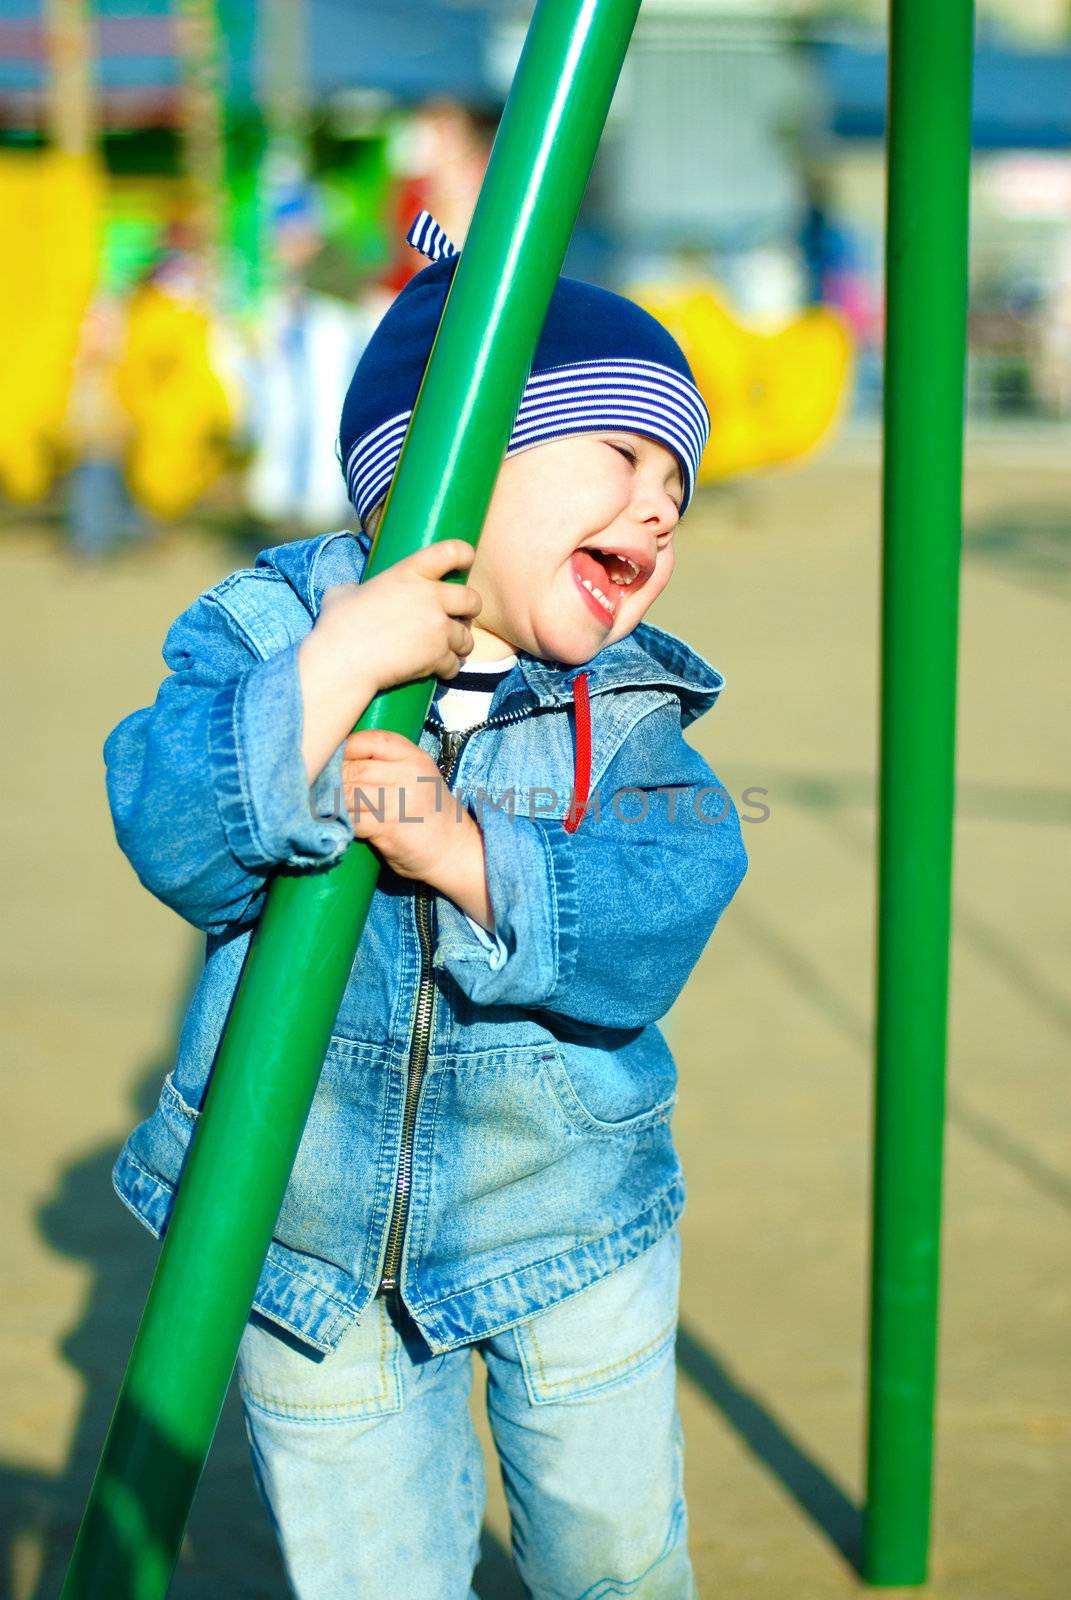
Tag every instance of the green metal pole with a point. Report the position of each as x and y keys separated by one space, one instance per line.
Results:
x=929 y=109
x=300 y=957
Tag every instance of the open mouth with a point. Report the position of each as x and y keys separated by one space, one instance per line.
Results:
x=606 y=577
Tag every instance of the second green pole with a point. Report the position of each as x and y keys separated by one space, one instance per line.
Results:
x=929 y=144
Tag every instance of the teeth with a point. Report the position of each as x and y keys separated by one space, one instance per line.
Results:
x=606 y=604
x=623 y=583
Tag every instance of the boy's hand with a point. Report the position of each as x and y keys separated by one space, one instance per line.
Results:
x=424 y=832
x=404 y=623
x=408 y=621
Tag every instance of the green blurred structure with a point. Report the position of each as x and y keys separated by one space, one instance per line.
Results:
x=301 y=954
x=245 y=143
x=929 y=145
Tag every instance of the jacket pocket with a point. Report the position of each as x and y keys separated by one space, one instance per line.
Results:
x=616 y=1092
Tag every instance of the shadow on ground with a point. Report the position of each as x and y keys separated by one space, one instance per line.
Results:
x=1029 y=544
x=821 y=1499
x=229 y=1551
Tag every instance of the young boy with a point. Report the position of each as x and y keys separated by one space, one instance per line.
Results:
x=488 y=1161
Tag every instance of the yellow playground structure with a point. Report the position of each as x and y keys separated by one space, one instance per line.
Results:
x=773 y=396
x=158 y=396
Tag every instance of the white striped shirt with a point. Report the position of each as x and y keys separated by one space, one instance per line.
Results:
x=465 y=699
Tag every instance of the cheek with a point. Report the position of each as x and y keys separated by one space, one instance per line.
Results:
x=498 y=572
x=487 y=562
x=662 y=574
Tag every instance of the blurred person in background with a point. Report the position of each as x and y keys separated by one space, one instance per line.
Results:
x=442 y=155
x=305 y=349
x=838 y=275
x=100 y=511
x=835 y=271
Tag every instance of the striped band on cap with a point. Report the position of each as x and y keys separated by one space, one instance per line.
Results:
x=587 y=397
x=430 y=239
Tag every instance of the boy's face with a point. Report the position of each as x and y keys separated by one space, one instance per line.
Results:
x=612 y=492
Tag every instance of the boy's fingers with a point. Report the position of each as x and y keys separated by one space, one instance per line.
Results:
x=379 y=743
x=461 y=601
x=445 y=555
x=460 y=638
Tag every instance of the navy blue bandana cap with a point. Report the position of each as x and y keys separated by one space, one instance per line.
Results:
x=602 y=363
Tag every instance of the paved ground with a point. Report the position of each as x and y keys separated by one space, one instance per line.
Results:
x=777 y=585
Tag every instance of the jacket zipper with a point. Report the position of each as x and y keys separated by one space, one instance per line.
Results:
x=451 y=744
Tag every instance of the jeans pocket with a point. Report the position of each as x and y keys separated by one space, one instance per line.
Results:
x=358 y=1380
x=608 y=1335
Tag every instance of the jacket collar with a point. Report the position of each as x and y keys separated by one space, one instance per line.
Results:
x=647 y=658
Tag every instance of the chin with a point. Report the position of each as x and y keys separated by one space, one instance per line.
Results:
x=572 y=652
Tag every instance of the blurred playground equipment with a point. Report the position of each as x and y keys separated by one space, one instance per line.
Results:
x=50 y=232
x=773 y=395
x=134 y=123
x=168 y=380
x=163 y=376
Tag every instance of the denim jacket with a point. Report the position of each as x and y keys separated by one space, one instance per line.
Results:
x=538 y=1154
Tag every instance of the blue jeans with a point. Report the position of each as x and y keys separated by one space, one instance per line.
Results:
x=373 y=1476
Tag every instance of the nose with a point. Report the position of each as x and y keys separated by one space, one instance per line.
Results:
x=656 y=508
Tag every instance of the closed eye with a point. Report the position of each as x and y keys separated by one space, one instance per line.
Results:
x=630 y=455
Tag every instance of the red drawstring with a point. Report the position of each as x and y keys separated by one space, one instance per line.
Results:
x=582 y=760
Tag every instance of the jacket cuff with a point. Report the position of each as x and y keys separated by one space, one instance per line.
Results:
x=269 y=813
x=495 y=948
x=531 y=880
